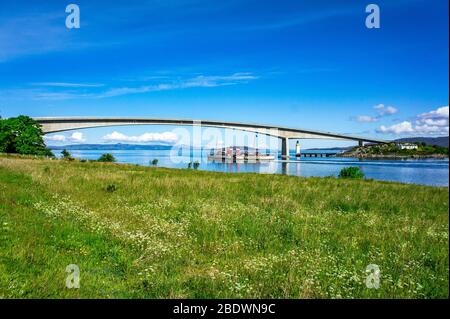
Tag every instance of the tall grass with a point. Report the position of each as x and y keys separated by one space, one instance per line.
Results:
x=193 y=234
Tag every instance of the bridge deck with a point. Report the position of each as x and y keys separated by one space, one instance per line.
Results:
x=60 y=124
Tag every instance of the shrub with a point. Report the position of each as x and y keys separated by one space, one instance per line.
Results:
x=196 y=164
x=351 y=172
x=154 y=162
x=111 y=188
x=108 y=158
x=65 y=153
x=66 y=156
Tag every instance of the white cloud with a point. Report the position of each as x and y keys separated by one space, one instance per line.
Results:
x=440 y=112
x=55 y=138
x=200 y=81
x=438 y=117
x=382 y=111
x=431 y=123
x=76 y=137
x=71 y=91
x=431 y=129
x=385 y=110
x=167 y=137
x=400 y=128
x=69 y=85
x=366 y=119
x=59 y=96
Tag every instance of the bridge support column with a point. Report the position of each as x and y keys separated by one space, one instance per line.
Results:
x=360 y=143
x=284 y=148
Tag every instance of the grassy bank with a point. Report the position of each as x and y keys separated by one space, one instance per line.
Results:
x=156 y=233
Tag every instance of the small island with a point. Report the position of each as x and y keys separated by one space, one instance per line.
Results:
x=397 y=151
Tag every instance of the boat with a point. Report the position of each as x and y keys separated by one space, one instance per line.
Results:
x=239 y=154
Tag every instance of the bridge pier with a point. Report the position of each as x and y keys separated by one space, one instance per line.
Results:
x=284 y=148
x=360 y=143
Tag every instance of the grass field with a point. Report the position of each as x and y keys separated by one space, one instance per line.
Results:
x=145 y=232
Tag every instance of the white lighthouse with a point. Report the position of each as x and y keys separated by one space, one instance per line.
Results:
x=297 y=149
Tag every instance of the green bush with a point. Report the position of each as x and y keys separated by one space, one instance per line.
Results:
x=111 y=188
x=154 y=162
x=65 y=154
x=196 y=165
x=351 y=172
x=108 y=158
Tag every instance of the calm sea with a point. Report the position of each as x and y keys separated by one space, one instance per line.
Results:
x=427 y=172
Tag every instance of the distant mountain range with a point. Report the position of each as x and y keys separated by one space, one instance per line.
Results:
x=111 y=147
x=120 y=146
x=330 y=148
x=435 y=141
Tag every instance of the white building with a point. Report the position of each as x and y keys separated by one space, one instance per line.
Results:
x=407 y=146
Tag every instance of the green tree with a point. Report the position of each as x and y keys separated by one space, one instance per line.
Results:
x=109 y=158
x=22 y=135
x=65 y=154
x=154 y=162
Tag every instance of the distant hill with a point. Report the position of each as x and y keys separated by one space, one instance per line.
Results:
x=330 y=148
x=111 y=147
x=120 y=146
x=434 y=141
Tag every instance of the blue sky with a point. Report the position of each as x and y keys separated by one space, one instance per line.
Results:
x=307 y=64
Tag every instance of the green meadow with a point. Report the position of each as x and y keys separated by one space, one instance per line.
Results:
x=149 y=232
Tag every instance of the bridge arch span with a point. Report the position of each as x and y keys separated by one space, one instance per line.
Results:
x=61 y=124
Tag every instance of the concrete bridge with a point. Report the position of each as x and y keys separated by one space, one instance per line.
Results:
x=60 y=124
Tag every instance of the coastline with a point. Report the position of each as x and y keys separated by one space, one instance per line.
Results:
x=392 y=156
